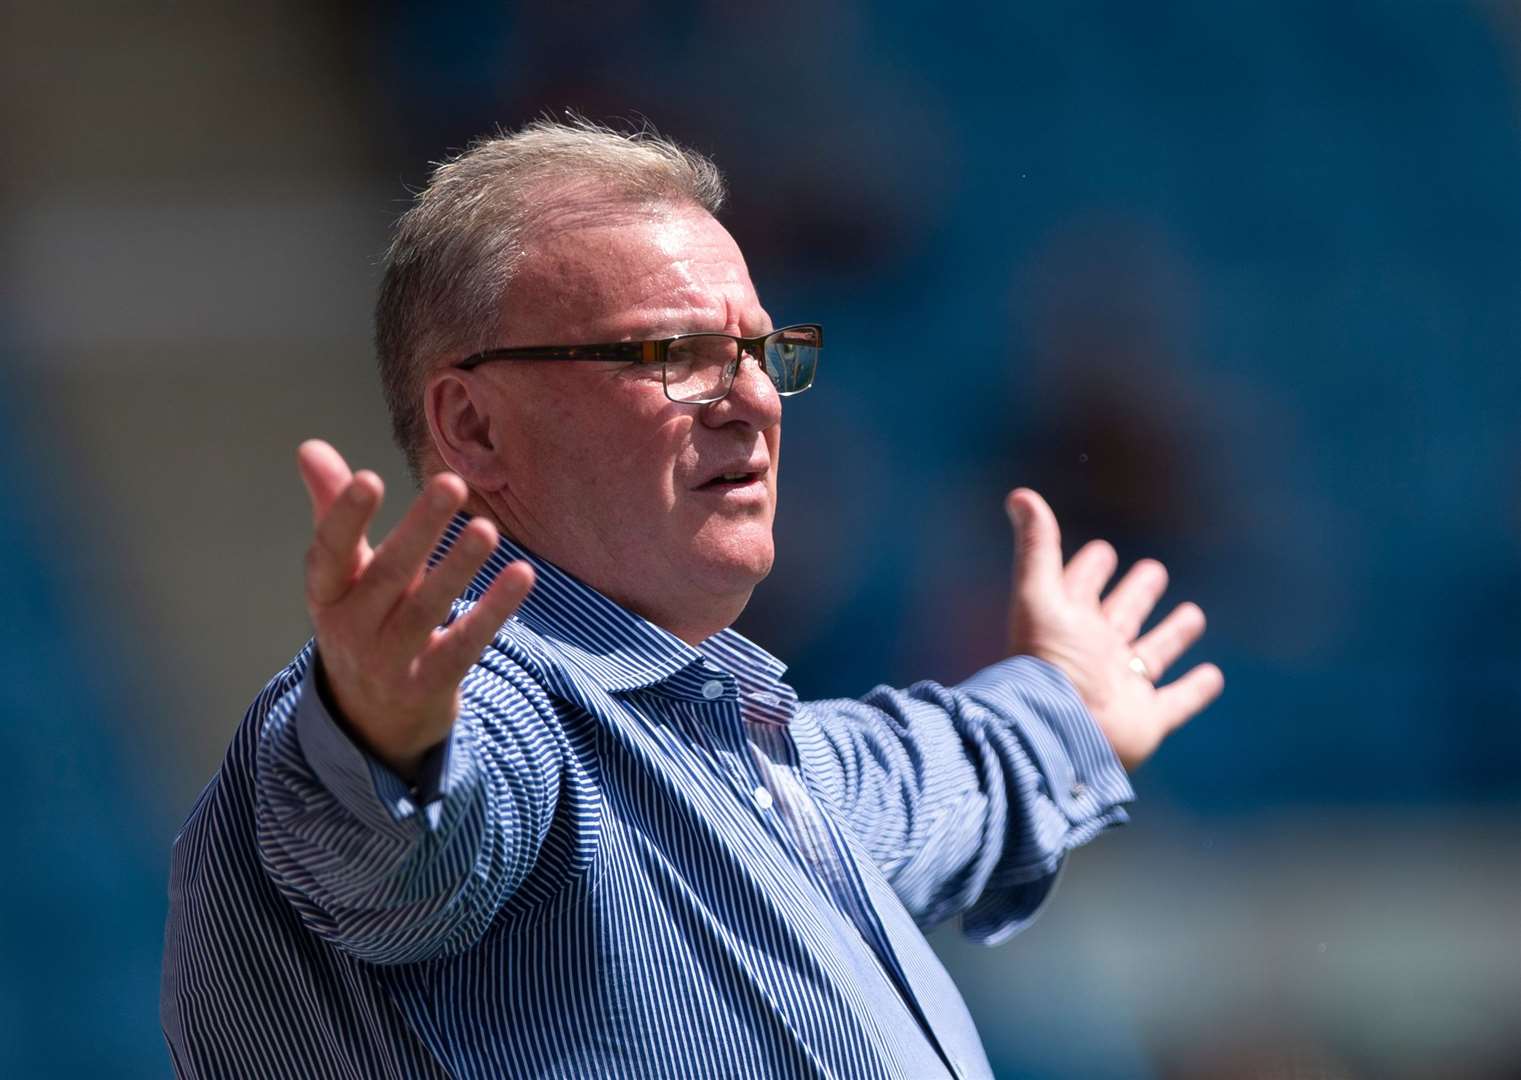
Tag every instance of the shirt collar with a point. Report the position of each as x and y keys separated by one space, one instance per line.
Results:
x=753 y=666
x=622 y=651
x=765 y=698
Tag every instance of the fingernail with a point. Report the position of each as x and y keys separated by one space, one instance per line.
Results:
x=1016 y=511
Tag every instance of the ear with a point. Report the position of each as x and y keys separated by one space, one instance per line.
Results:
x=466 y=435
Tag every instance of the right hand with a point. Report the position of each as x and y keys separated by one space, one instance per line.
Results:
x=392 y=671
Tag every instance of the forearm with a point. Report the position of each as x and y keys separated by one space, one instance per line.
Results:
x=385 y=871
x=1063 y=782
x=968 y=797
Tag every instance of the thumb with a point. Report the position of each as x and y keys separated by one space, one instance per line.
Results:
x=324 y=472
x=1037 y=541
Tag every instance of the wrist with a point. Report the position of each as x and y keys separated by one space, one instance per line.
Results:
x=405 y=763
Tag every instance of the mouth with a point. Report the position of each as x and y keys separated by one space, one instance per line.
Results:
x=733 y=481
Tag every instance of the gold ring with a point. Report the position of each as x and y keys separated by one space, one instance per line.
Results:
x=1138 y=666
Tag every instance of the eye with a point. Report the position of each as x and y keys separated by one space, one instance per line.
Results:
x=634 y=369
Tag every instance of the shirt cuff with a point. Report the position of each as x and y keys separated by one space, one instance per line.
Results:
x=367 y=787
x=1082 y=774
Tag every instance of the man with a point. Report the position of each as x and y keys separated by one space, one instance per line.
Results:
x=536 y=810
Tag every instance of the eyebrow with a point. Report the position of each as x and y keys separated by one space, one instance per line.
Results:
x=691 y=321
x=669 y=330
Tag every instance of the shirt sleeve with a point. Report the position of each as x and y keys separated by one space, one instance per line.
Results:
x=394 y=874
x=968 y=798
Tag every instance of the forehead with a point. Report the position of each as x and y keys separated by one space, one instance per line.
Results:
x=631 y=271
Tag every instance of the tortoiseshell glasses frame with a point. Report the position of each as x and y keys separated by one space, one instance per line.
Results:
x=698 y=368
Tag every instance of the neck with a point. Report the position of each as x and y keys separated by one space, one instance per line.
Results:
x=721 y=613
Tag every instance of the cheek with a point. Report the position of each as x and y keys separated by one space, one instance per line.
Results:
x=633 y=454
x=557 y=458
x=607 y=457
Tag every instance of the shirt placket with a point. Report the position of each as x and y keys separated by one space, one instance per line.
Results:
x=822 y=852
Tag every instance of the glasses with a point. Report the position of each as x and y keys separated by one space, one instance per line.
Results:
x=696 y=369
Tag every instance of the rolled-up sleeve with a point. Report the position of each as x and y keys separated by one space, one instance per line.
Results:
x=393 y=873
x=969 y=797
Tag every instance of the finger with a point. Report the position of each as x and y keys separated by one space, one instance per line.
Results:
x=428 y=604
x=453 y=650
x=1170 y=638
x=1184 y=698
x=1129 y=602
x=400 y=557
x=339 y=550
x=324 y=472
x=1090 y=570
x=1037 y=542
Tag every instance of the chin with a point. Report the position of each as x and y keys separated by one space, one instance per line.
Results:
x=737 y=561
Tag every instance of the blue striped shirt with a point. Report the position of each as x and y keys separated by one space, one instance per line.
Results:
x=633 y=857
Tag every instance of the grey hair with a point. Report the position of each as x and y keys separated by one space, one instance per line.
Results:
x=457 y=249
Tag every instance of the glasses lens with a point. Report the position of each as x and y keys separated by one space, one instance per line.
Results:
x=792 y=356
x=697 y=368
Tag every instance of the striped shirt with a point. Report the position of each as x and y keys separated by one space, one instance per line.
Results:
x=632 y=857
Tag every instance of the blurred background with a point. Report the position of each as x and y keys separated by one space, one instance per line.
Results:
x=1234 y=285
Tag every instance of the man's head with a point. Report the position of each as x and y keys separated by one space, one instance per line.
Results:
x=567 y=235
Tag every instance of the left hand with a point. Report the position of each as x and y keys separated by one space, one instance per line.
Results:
x=1056 y=614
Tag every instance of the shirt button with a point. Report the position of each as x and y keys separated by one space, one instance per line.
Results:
x=768 y=699
x=763 y=798
x=712 y=689
x=1079 y=789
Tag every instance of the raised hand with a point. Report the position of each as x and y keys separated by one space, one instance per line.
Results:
x=392 y=671
x=1056 y=614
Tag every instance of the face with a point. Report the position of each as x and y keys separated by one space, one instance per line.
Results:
x=594 y=468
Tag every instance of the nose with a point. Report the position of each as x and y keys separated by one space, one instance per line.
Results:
x=752 y=399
